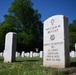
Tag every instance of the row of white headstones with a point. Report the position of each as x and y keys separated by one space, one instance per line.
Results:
x=27 y=54
x=34 y=54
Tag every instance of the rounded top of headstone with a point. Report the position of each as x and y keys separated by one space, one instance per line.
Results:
x=11 y=33
x=55 y=16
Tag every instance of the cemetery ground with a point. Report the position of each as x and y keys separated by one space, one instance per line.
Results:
x=34 y=66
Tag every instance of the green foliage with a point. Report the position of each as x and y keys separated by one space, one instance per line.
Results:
x=72 y=34
x=6 y=28
x=24 y=20
x=26 y=38
x=25 y=14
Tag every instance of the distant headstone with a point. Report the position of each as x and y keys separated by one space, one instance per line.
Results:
x=27 y=54
x=41 y=54
x=72 y=53
x=10 y=47
x=55 y=42
x=23 y=54
x=17 y=54
x=31 y=54
x=34 y=54
x=37 y=54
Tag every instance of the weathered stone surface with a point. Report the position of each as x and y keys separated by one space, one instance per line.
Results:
x=55 y=42
x=10 y=47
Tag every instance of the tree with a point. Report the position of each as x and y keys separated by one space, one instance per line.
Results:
x=0 y=23
x=72 y=34
x=25 y=14
x=25 y=21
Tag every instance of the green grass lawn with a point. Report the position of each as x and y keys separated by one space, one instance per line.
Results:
x=33 y=66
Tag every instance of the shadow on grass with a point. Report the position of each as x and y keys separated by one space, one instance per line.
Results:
x=73 y=64
x=27 y=61
x=1 y=59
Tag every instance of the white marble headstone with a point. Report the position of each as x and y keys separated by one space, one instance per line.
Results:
x=55 y=42
x=34 y=54
x=31 y=54
x=41 y=54
x=72 y=53
x=10 y=47
x=27 y=54
x=17 y=54
x=23 y=54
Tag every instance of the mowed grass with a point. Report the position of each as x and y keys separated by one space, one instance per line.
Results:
x=33 y=66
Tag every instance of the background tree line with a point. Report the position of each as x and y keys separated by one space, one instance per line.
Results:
x=72 y=35
x=23 y=19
